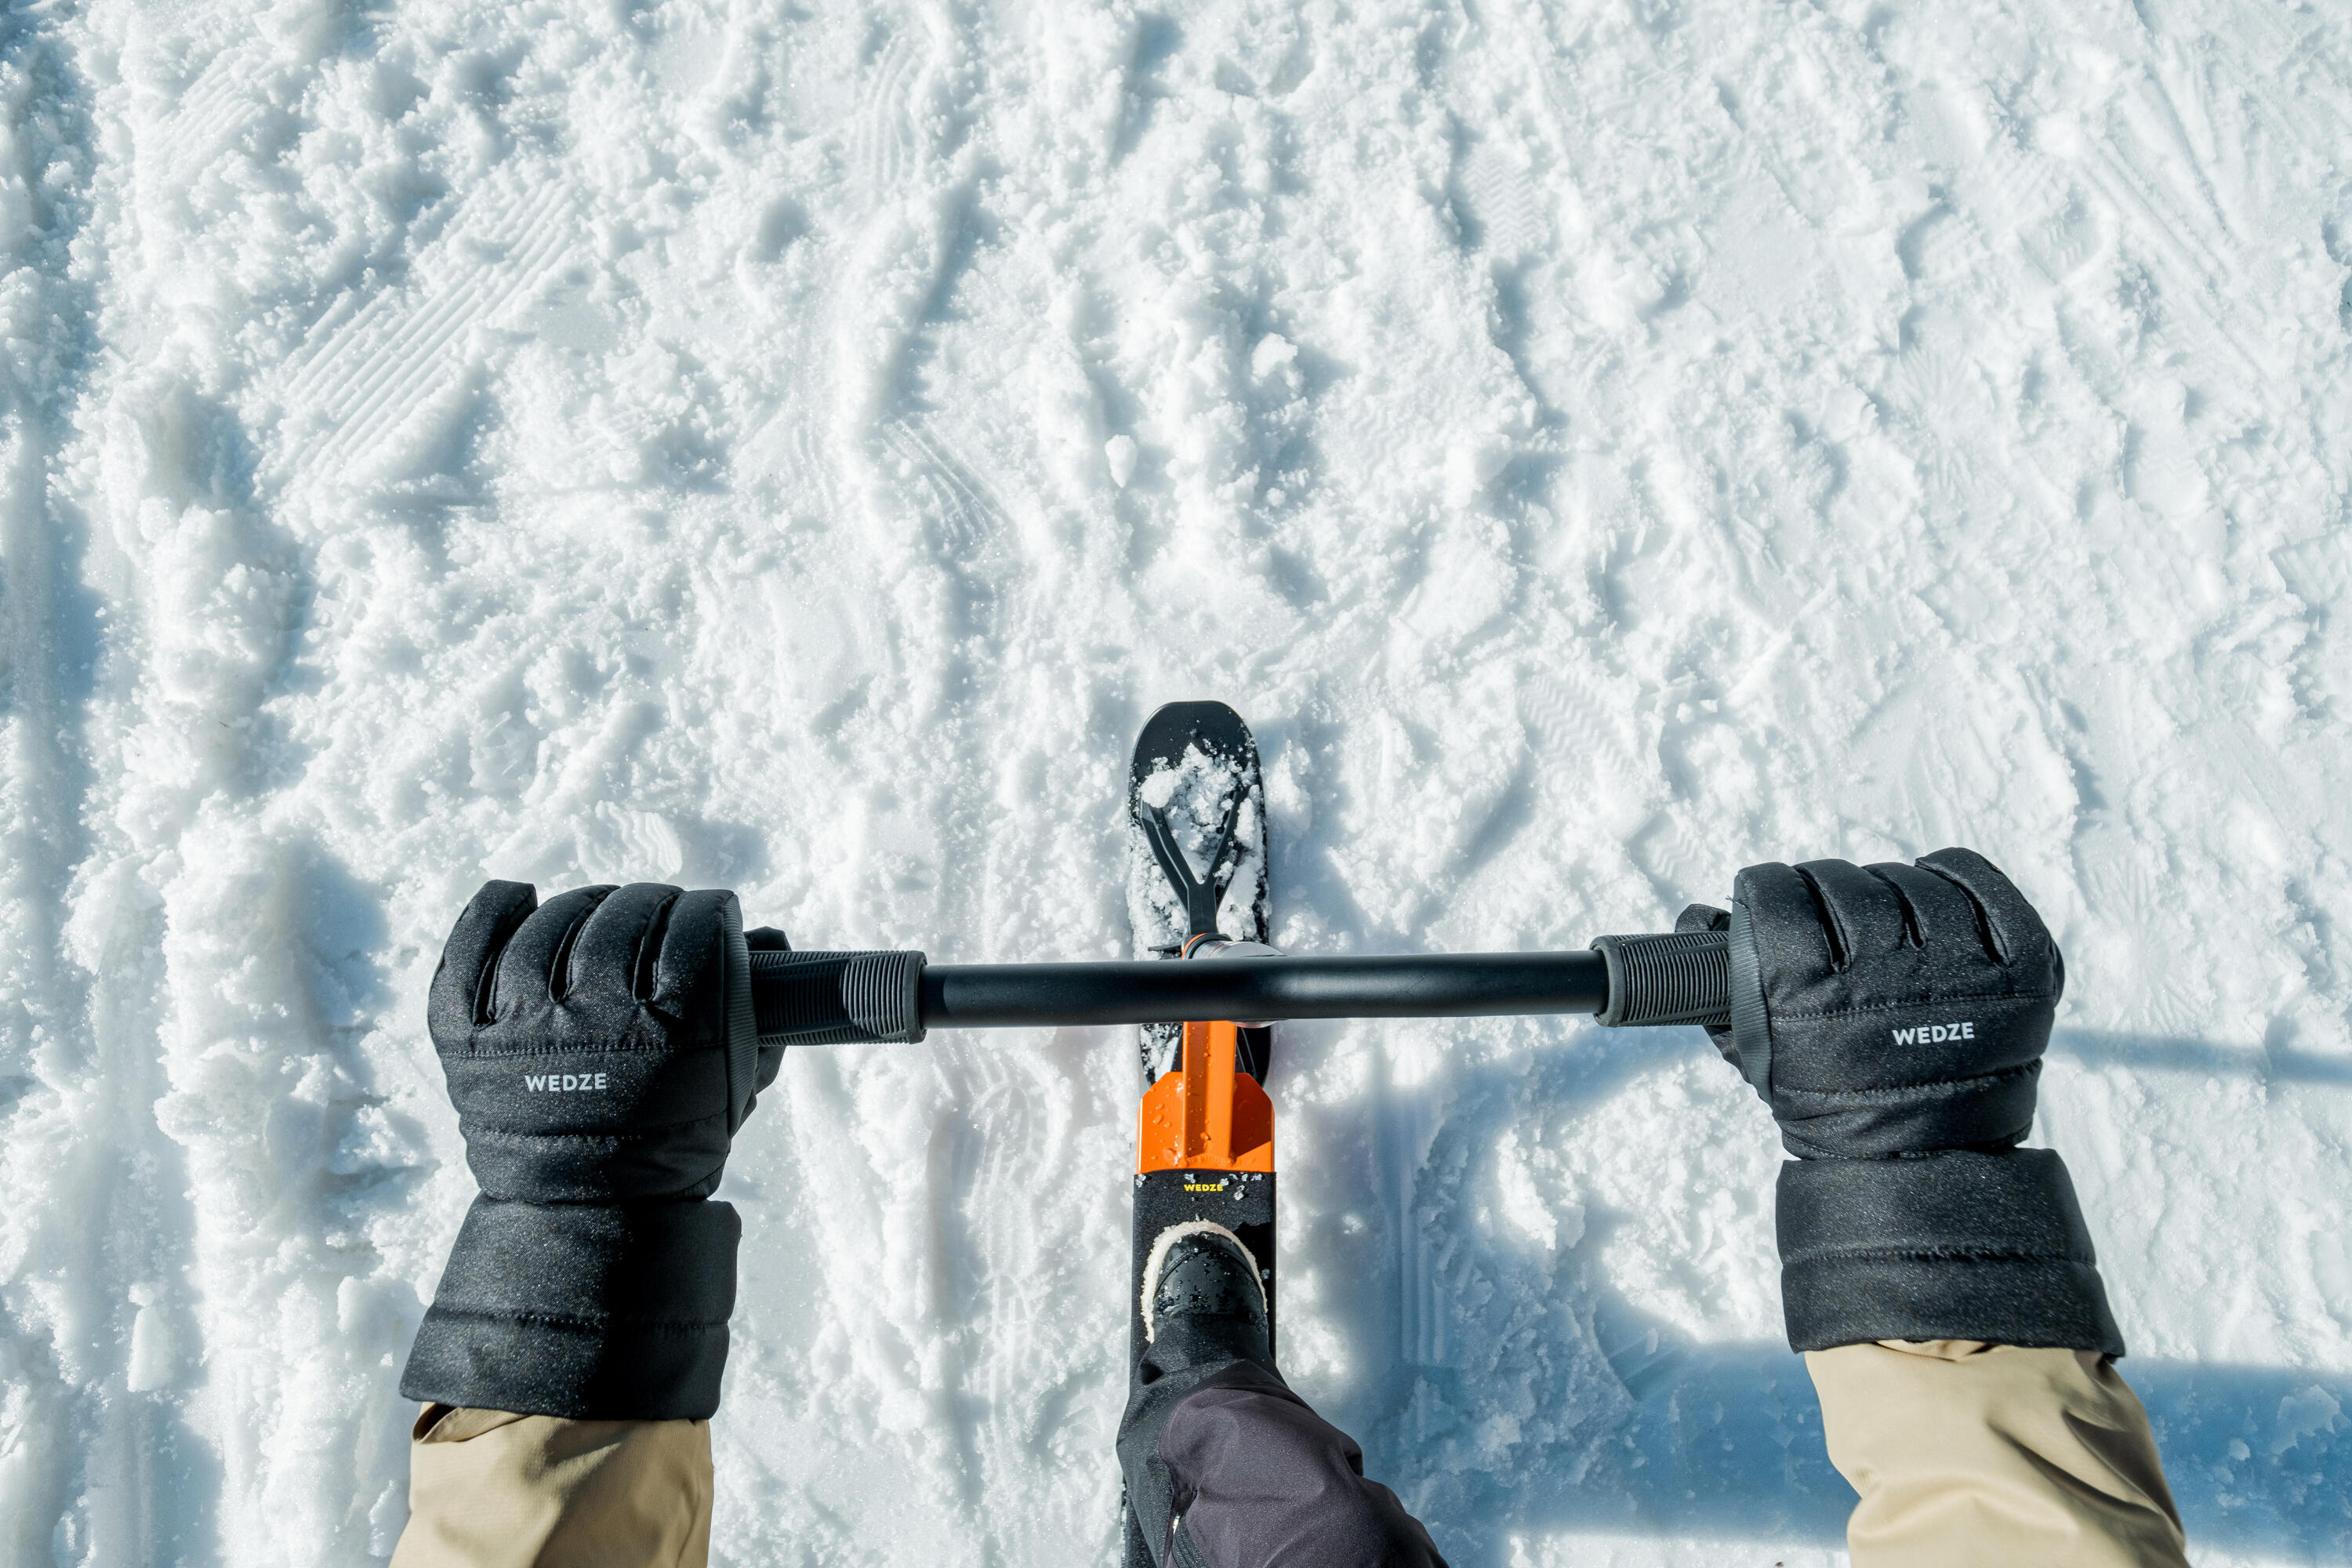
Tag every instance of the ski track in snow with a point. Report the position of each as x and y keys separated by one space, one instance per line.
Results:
x=1596 y=445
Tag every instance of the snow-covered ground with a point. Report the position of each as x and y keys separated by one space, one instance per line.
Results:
x=1598 y=445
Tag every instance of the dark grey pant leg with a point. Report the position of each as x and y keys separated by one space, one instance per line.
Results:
x=1257 y=1478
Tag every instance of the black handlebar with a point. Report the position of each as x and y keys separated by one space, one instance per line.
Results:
x=842 y=998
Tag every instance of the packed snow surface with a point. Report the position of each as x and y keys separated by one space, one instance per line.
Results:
x=1597 y=445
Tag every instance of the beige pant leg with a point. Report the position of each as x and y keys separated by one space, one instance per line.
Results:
x=1970 y=1455
x=487 y=1490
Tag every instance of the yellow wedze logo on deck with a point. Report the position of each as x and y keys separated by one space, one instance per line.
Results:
x=1205 y=1186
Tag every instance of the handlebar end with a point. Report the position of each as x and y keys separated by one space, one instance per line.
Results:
x=1678 y=977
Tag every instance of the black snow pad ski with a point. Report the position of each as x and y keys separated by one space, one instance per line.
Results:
x=1196 y=764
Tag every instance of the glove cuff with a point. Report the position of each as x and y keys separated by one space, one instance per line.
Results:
x=1956 y=1245
x=591 y=1312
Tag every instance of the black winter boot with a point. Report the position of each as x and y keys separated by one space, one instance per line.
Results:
x=1225 y=1467
x=1202 y=1301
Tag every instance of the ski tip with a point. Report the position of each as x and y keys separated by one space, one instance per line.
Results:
x=1177 y=727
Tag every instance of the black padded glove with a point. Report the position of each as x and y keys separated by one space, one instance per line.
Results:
x=1893 y=1018
x=600 y=1051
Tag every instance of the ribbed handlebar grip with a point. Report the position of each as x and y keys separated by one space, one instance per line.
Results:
x=1679 y=977
x=838 y=998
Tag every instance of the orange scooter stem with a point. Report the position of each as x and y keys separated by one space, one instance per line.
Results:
x=1208 y=1115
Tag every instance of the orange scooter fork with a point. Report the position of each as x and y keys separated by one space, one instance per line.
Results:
x=1209 y=1115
